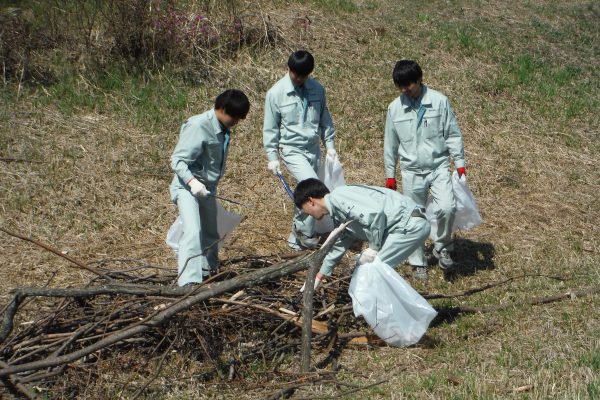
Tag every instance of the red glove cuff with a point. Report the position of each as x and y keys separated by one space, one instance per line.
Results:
x=461 y=171
x=390 y=183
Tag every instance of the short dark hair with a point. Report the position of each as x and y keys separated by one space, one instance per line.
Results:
x=311 y=187
x=301 y=62
x=234 y=102
x=406 y=72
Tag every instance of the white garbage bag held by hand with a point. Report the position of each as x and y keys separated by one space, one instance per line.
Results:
x=226 y=223
x=396 y=312
x=332 y=175
x=467 y=214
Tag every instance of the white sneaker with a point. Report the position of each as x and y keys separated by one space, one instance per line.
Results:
x=444 y=259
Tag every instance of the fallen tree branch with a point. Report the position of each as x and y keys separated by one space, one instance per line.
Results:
x=53 y=250
x=469 y=292
x=197 y=295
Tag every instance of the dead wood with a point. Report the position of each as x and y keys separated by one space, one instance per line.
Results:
x=193 y=296
x=53 y=250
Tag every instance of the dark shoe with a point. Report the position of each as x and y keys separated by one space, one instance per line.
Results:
x=190 y=284
x=444 y=259
x=420 y=272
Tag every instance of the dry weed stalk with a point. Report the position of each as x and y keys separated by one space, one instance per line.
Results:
x=122 y=308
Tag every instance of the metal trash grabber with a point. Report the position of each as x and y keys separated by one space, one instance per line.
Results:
x=286 y=186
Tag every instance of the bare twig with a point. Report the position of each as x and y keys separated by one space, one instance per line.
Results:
x=53 y=250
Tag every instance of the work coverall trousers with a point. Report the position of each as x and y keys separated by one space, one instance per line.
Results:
x=399 y=243
x=302 y=163
x=417 y=186
x=198 y=246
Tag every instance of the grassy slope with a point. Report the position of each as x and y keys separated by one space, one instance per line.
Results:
x=523 y=81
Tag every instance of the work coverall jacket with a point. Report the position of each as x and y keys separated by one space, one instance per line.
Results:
x=423 y=149
x=383 y=217
x=296 y=120
x=201 y=153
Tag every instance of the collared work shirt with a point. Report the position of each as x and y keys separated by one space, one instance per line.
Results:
x=374 y=211
x=287 y=123
x=426 y=147
x=201 y=151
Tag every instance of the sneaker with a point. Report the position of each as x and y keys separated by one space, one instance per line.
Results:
x=444 y=260
x=300 y=242
x=419 y=272
x=190 y=284
x=309 y=242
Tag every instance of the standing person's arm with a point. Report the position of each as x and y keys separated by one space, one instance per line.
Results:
x=390 y=151
x=453 y=136
x=189 y=148
x=271 y=128
x=326 y=128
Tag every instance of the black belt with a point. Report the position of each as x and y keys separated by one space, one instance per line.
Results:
x=418 y=212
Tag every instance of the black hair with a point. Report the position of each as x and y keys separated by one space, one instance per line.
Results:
x=301 y=62
x=311 y=187
x=406 y=72
x=234 y=102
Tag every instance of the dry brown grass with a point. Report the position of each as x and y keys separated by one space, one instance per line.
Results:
x=101 y=190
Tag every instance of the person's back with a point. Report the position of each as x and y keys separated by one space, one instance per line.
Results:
x=391 y=223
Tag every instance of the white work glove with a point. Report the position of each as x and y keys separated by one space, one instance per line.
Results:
x=273 y=166
x=197 y=188
x=367 y=256
x=318 y=280
x=332 y=153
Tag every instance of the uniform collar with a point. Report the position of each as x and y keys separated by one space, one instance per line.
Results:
x=217 y=127
x=425 y=99
x=289 y=86
x=328 y=204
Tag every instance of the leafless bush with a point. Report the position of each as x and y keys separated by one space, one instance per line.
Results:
x=138 y=33
x=20 y=38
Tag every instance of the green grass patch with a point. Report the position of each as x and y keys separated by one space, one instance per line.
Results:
x=338 y=6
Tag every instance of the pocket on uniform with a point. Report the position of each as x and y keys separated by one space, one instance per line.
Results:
x=314 y=112
x=289 y=113
x=432 y=124
x=404 y=129
x=215 y=153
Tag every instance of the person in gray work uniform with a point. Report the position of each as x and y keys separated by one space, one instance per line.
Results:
x=199 y=163
x=296 y=120
x=422 y=133
x=393 y=224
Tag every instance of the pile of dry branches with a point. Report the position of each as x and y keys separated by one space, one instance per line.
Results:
x=250 y=311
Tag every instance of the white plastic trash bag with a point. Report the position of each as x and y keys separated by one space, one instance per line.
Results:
x=467 y=214
x=331 y=172
x=396 y=312
x=174 y=234
x=332 y=175
x=226 y=223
